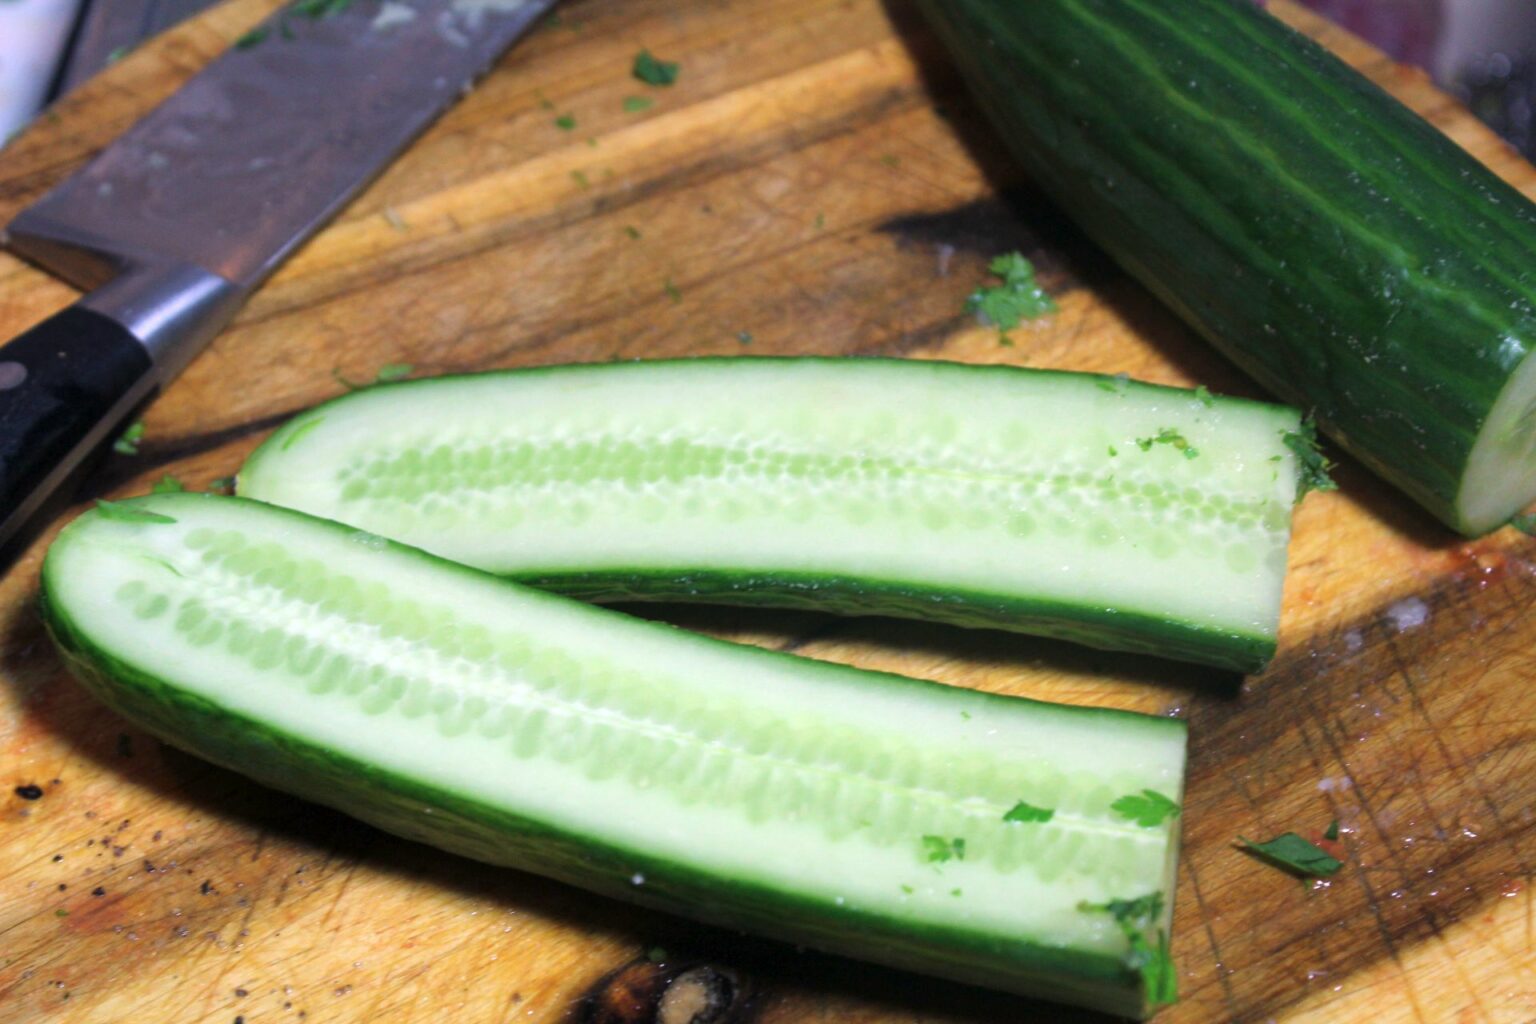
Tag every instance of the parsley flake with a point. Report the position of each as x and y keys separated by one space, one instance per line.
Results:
x=566 y=122
x=167 y=484
x=1295 y=855
x=1149 y=808
x=128 y=443
x=1314 y=464
x=1018 y=298
x=1170 y=437
x=673 y=291
x=1332 y=834
x=222 y=485
x=632 y=231
x=1203 y=396
x=636 y=104
x=938 y=850
x=652 y=71
x=128 y=513
x=1114 y=385
x=254 y=37
x=386 y=374
x=1023 y=812
x=1153 y=962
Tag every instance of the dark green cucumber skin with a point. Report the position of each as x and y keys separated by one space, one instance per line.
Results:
x=1095 y=626
x=1333 y=244
x=461 y=824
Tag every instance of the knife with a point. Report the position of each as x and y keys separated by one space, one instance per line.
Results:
x=171 y=227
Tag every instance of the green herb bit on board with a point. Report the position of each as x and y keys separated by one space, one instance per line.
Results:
x=1018 y=298
x=167 y=484
x=387 y=374
x=1294 y=855
x=652 y=71
x=636 y=104
x=128 y=443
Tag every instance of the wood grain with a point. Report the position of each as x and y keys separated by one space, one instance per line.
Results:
x=815 y=179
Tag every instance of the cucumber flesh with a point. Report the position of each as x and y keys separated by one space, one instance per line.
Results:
x=752 y=789
x=1070 y=505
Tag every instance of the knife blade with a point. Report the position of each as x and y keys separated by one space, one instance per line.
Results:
x=174 y=224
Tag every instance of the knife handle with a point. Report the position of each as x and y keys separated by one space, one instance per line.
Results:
x=66 y=386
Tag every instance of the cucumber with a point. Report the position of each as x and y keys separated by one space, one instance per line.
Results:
x=1334 y=245
x=851 y=811
x=1076 y=506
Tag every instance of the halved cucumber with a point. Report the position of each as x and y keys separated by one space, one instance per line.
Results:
x=1070 y=505
x=852 y=811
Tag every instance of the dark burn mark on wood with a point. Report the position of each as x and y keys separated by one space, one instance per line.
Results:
x=668 y=990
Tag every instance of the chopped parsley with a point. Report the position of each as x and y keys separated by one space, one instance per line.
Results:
x=652 y=71
x=891 y=160
x=254 y=37
x=821 y=221
x=1018 y=298
x=938 y=850
x=1149 y=808
x=1112 y=452
x=1314 y=464
x=1171 y=437
x=128 y=443
x=1153 y=962
x=222 y=485
x=387 y=374
x=636 y=104
x=632 y=231
x=128 y=513
x=955 y=892
x=673 y=291
x=907 y=889
x=1203 y=396
x=1295 y=855
x=1525 y=523
x=1023 y=812
x=1115 y=385
x=167 y=484
x=566 y=122
x=1332 y=833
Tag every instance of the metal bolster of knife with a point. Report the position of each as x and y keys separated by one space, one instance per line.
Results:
x=173 y=309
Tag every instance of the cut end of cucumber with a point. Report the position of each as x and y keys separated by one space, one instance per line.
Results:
x=1501 y=471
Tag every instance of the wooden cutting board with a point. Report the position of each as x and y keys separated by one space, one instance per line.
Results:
x=814 y=183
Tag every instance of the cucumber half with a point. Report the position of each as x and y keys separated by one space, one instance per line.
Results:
x=852 y=811
x=1089 y=508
